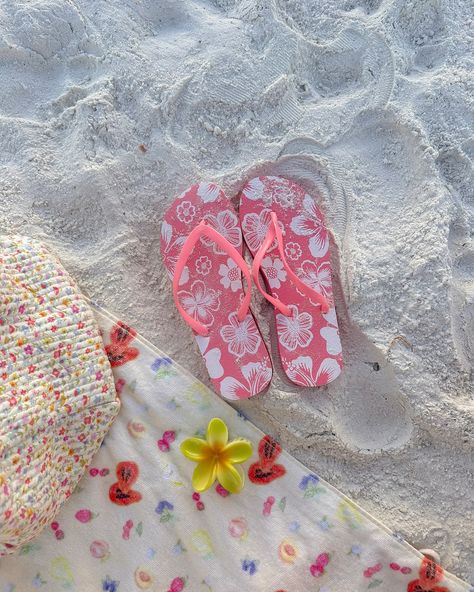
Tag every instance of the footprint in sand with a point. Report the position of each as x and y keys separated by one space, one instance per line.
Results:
x=369 y=411
x=365 y=407
x=462 y=298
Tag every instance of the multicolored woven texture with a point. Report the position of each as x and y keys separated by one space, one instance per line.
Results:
x=57 y=394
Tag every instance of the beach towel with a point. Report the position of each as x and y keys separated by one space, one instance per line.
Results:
x=135 y=522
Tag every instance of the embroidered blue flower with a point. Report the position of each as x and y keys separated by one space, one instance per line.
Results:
x=109 y=585
x=150 y=553
x=307 y=480
x=356 y=550
x=249 y=566
x=162 y=506
x=161 y=363
x=178 y=549
x=37 y=581
x=294 y=526
x=324 y=524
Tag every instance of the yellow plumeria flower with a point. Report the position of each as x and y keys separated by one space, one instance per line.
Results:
x=216 y=457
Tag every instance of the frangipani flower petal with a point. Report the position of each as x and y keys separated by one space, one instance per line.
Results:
x=230 y=477
x=196 y=449
x=215 y=458
x=204 y=474
x=217 y=434
x=237 y=451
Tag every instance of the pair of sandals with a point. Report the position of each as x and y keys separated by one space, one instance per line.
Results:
x=202 y=241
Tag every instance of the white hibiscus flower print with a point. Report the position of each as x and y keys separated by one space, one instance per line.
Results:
x=171 y=250
x=310 y=224
x=331 y=334
x=186 y=212
x=211 y=357
x=274 y=271
x=294 y=332
x=255 y=227
x=257 y=375
x=208 y=192
x=254 y=189
x=199 y=302
x=301 y=371
x=241 y=336
x=281 y=191
x=328 y=371
x=231 y=275
x=316 y=276
x=293 y=251
x=226 y=224
x=203 y=265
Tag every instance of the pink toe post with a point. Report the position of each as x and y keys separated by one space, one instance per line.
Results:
x=201 y=230
x=274 y=231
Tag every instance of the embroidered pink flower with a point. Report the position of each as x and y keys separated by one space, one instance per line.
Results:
x=295 y=331
x=199 y=302
x=241 y=336
x=84 y=516
x=231 y=275
x=309 y=224
x=293 y=251
x=238 y=528
x=177 y=585
x=186 y=212
x=203 y=265
x=317 y=568
x=99 y=549
x=222 y=491
x=274 y=271
x=370 y=571
x=227 y=224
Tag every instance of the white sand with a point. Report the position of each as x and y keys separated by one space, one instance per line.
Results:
x=368 y=100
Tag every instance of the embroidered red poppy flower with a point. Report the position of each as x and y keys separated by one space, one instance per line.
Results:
x=118 y=350
x=430 y=575
x=121 y=493
x=265 y=470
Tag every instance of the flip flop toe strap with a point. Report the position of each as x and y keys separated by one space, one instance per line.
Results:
x=274 y=231
x=203 y=229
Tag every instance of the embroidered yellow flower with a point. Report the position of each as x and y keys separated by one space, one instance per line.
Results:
x=216 y=457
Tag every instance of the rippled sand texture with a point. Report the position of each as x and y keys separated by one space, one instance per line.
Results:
x=109 y=109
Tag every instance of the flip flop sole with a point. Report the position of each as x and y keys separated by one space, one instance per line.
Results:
x=308 y=341
x=210 y=290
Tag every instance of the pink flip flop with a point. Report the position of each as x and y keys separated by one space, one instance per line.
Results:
x=201 y=245
x=285 y=232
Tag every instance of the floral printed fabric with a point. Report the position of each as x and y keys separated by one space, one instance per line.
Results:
x=135 y=523
x=57 y=395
